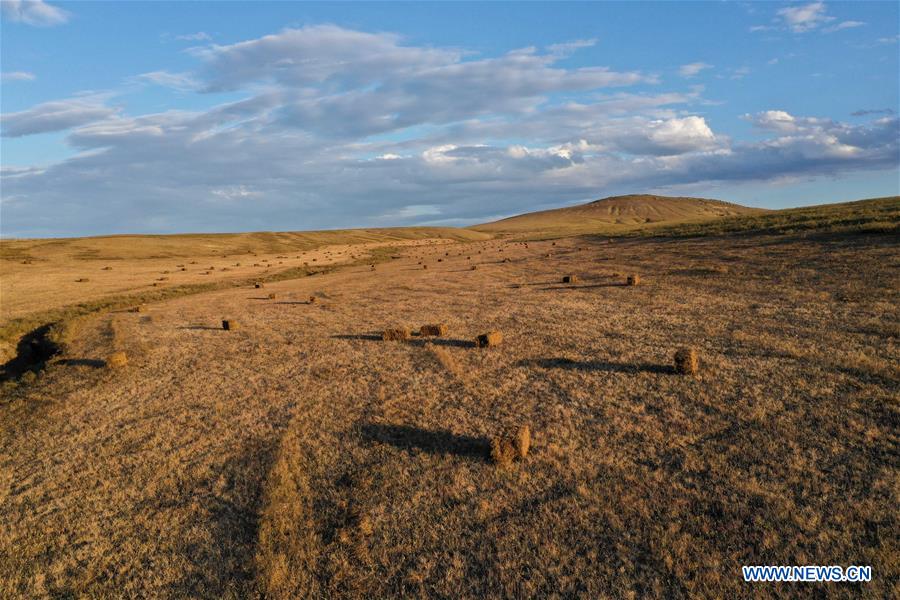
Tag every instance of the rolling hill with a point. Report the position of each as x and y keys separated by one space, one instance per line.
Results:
x=617 y=213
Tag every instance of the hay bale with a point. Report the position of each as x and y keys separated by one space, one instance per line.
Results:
x=136 y=309
x=503 y=451
x=116 y=360
x=272 y=295
x=473 y=268
x=435 y=329
x=107 y=269
x=523 y=440
x=396 y=334
x=424 y=266
x=491 y=338
x=312 y=300
x=258 y=285
x=230 y=325
x=570 y=279
x=633 y=280
x=82 y=280
x=687 y=361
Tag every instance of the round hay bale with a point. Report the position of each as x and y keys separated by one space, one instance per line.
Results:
x=523 y=440
x=503 y=451
x=424 y=266
x=272 y=295
x=435 y=329
x=258 y=285
x=395 y=334
x=491 y=338
x=230 y=325
x=570 y=279
x=473 y=268
x=107 y=269
x=633 y=280
x=82 y=280
x=687 y=361
x=117 y=360
x=312 y=300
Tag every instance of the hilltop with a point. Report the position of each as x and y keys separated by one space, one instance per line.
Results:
x=618 y=213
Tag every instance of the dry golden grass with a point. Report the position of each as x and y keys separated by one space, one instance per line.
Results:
x=302 y=457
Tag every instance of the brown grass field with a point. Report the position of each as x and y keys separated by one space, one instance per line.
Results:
x=301 y=456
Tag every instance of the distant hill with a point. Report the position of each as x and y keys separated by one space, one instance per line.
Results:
x=618 y=213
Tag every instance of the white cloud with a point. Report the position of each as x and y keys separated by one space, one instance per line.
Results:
x=804 y=17
x=692 y=69
x=177 y=81
x=843 y=25
x=200 y=36
x=17 y=76
x=54 y=116
x=33 y=12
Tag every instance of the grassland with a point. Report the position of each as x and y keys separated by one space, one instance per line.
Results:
x=301 y=456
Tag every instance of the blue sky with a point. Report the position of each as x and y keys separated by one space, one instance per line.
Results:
x=159 y=117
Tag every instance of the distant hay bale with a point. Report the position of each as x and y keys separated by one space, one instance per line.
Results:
x=491 y=338
x=117 y=360
x=440 y=260
x=570 y=279
x=312 y=299
x=553 y=244
x=136 y=309
x=272 y=295
x=435 y=329
x=107 y=269
x=396 y=334
x=473 y=268
x=424 y=266
x=230 y=325
x=548 y=255
x=686 y=361
x=82 y=280
x=633 y=280
x=258 y=285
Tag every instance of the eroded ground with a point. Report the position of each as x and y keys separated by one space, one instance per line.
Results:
x=302 y=456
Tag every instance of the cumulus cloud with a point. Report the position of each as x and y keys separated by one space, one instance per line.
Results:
x=33 y=12
x=692 y=69
x=17 y=76
x=54 y=116
x=421 y=134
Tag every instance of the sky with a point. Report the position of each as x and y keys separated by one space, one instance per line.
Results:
x=165 y=117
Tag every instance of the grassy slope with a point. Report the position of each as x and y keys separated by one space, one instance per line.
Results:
x=873 y=215
x=196 y=245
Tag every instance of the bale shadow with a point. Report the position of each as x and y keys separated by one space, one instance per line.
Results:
x=423 y=340
x=408 y=437
x=372 y=337
x=610 y=367
x=83 y=362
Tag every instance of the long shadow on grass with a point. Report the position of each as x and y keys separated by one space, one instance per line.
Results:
x=595 y=365
x=83 y=362
x=408 y=437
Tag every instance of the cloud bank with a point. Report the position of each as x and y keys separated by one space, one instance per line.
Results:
x=337 y=128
